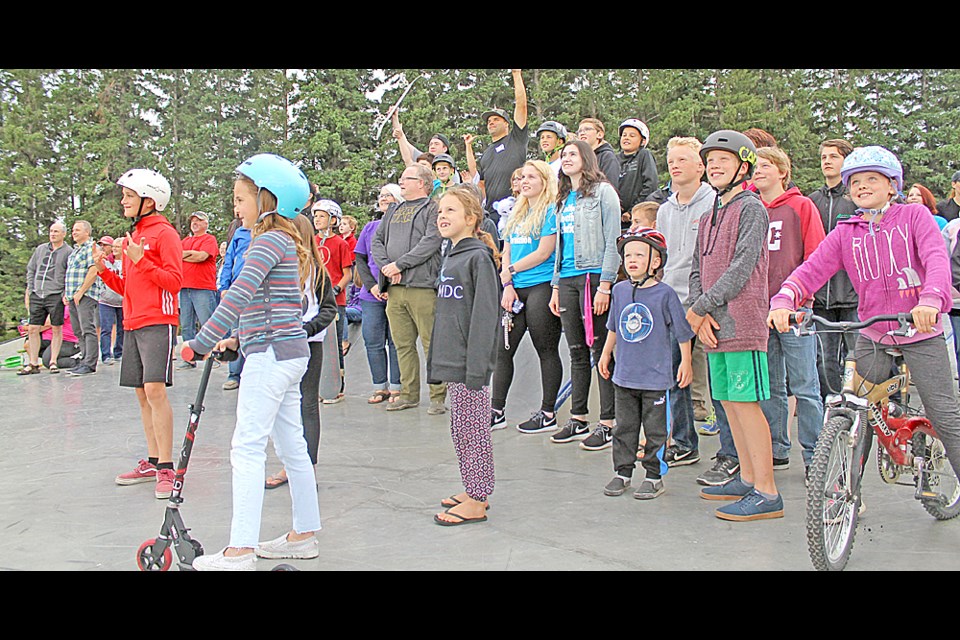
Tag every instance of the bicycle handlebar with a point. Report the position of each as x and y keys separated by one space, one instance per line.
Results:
x=804 y=322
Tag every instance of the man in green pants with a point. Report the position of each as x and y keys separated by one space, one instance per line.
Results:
x=407 y=245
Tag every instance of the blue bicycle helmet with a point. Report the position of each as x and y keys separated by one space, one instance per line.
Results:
x=872 y=158
x=280 y=177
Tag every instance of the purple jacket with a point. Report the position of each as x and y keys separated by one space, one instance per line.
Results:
x=894 y=266
x=368 y=269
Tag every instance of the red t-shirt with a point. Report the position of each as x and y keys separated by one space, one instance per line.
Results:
x=351 y=241
x=337 y=256
x=201 y=275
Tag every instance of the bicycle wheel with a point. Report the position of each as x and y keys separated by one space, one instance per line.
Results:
x=832 y=505
x=941 y=480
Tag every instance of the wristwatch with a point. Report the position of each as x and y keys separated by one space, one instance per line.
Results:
x=336 y=289
x=513 y=270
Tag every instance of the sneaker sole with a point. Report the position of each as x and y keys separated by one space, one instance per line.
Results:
x=496 y=427
x=758 y=516
x=713 y=483
x=125 y=482
x=614 y=494
x=164 y=495
x=279 y=555
x=541 y=430
x=648 y=496
x=587 y=447
x=781 y=467
x=683 y=463
x=402 y=406
x=572 y=438
x=704 y=431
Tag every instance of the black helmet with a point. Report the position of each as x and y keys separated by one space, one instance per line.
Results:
x=734 y=142
x=444 y=157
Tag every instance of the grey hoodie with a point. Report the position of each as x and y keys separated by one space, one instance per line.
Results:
x=679 y=224
x=47 y=269
x=463 y=347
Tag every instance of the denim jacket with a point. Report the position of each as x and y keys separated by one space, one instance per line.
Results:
x=595 y=232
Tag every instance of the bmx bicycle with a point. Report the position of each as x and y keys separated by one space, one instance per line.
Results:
x=908 y=447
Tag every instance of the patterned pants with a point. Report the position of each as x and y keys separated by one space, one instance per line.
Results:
x=470 y=430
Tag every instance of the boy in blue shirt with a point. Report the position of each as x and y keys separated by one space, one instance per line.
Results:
x=645 y=315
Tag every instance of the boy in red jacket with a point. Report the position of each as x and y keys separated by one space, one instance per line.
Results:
x=152 y=277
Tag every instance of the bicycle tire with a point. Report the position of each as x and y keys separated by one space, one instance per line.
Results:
x=944 y=480
x=831 y=515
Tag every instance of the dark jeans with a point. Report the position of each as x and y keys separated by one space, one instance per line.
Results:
x=832 y=350
x=545 y=329
x=681 y=408
x=571 y=301
x=636 y=407
x=110 y=317
x=84 y=319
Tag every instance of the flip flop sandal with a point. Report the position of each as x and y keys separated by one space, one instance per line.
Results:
x=28 y=369
x=278 y=481
x=394 y=396
x=53 y=369
x=378 y=397
x=447 y=523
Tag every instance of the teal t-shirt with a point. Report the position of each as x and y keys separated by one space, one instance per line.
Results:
x=567 y=263
x=523 y=245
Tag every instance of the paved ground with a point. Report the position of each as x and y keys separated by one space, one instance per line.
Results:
x=381 y=476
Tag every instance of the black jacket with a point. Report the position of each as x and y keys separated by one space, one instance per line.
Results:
x=328 y=307
x=834 y=204
x=638 y=178
x=609 y=164
x=463 y=346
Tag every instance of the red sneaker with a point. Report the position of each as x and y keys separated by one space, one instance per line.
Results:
x=145 y=472
x=165 y=478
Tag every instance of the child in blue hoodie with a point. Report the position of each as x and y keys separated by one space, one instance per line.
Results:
x=468 y=297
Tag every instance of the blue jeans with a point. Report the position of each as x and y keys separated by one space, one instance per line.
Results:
x=110 y=316
x=681 y=407
x=268 y=405
x=794 y=357
x=196 y=307
x=379 y=345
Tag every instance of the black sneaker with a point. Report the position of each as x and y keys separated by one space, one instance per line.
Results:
x=617 y=486
x=497 y=420
x=573 y=430
x=723 y=471
x=538 y=423
x=601 y=438
x=779 y=464
x=677 y=457
x=649 y=489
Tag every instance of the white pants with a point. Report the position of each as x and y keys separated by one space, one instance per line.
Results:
x=269 y=405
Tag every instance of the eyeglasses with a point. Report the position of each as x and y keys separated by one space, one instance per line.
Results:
x=585 y=129
x=410 y=178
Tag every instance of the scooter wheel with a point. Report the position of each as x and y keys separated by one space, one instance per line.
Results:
x=284 y=567
x=148 y=560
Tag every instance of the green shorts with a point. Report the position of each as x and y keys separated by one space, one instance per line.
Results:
x=739 y=376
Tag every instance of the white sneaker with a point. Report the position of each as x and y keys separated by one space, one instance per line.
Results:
x=283 y=548
x=220 y=562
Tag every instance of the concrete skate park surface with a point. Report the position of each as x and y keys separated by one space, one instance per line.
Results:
x=381 y=477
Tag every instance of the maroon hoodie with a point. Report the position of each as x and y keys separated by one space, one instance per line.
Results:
x=796 y=230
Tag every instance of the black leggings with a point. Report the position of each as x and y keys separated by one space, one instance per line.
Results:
x=545 y=330
x=310 y=400
x=581 y=372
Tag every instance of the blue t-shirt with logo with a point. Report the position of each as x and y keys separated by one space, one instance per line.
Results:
x=523 y=245
x=647 y=321
x=568 y=267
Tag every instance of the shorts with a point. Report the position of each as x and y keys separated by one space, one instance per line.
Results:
x=148 y=355
x=739 y=376
x=40 y=308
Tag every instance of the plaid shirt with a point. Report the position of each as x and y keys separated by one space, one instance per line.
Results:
x=77 y=265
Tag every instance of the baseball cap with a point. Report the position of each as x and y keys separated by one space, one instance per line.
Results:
x=442 y=138
x=106 y=240
x=495 y=112
x=201 y=215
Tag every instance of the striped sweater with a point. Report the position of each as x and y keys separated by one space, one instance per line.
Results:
x=267 y=299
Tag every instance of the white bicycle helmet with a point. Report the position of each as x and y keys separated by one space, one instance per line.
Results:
x=640 y=126
x=872 y=158
x=147 y=184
